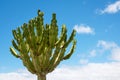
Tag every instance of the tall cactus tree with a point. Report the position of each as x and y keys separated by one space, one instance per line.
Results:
x=39 y=47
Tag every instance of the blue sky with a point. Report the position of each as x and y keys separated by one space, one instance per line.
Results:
x=97 y=25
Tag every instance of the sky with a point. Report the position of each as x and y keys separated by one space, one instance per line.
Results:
x=97 y=53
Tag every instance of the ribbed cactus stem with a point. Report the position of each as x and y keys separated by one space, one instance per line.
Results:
x=39 y=47
x=41 y=77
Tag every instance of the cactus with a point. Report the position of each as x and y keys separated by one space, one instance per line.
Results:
x=39 y=47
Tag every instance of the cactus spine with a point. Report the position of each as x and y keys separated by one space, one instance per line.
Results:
x=39 y=46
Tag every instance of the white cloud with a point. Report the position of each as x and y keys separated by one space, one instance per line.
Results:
x=84 y=29
x=112 y=8
x=115 y=54
x=19 y=75
x=91 y=71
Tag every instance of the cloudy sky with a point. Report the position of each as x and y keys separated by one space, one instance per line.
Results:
x=97 y=54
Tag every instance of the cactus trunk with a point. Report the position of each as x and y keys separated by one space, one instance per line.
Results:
x=41 y=77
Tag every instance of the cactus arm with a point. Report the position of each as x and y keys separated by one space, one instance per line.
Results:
x=14 y=34
x=53 y=30
x=25 y=57
x=59 y=57
x=63 y=34
x=70 y=39
x=39 y=25
x=40 y=40
x=14 y=53
x=71 y=51
x=30 y=67
x=15 y=45
x=28 y=63
x=36 y=63
x=53 y=58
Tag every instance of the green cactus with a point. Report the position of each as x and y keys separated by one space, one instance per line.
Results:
x=39 y=46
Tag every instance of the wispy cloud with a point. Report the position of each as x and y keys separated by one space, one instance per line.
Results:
x=91 y=71
x=106 y=45
x=93 y=53
x=112 y=8
x=84 y=29
x=103 y=46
